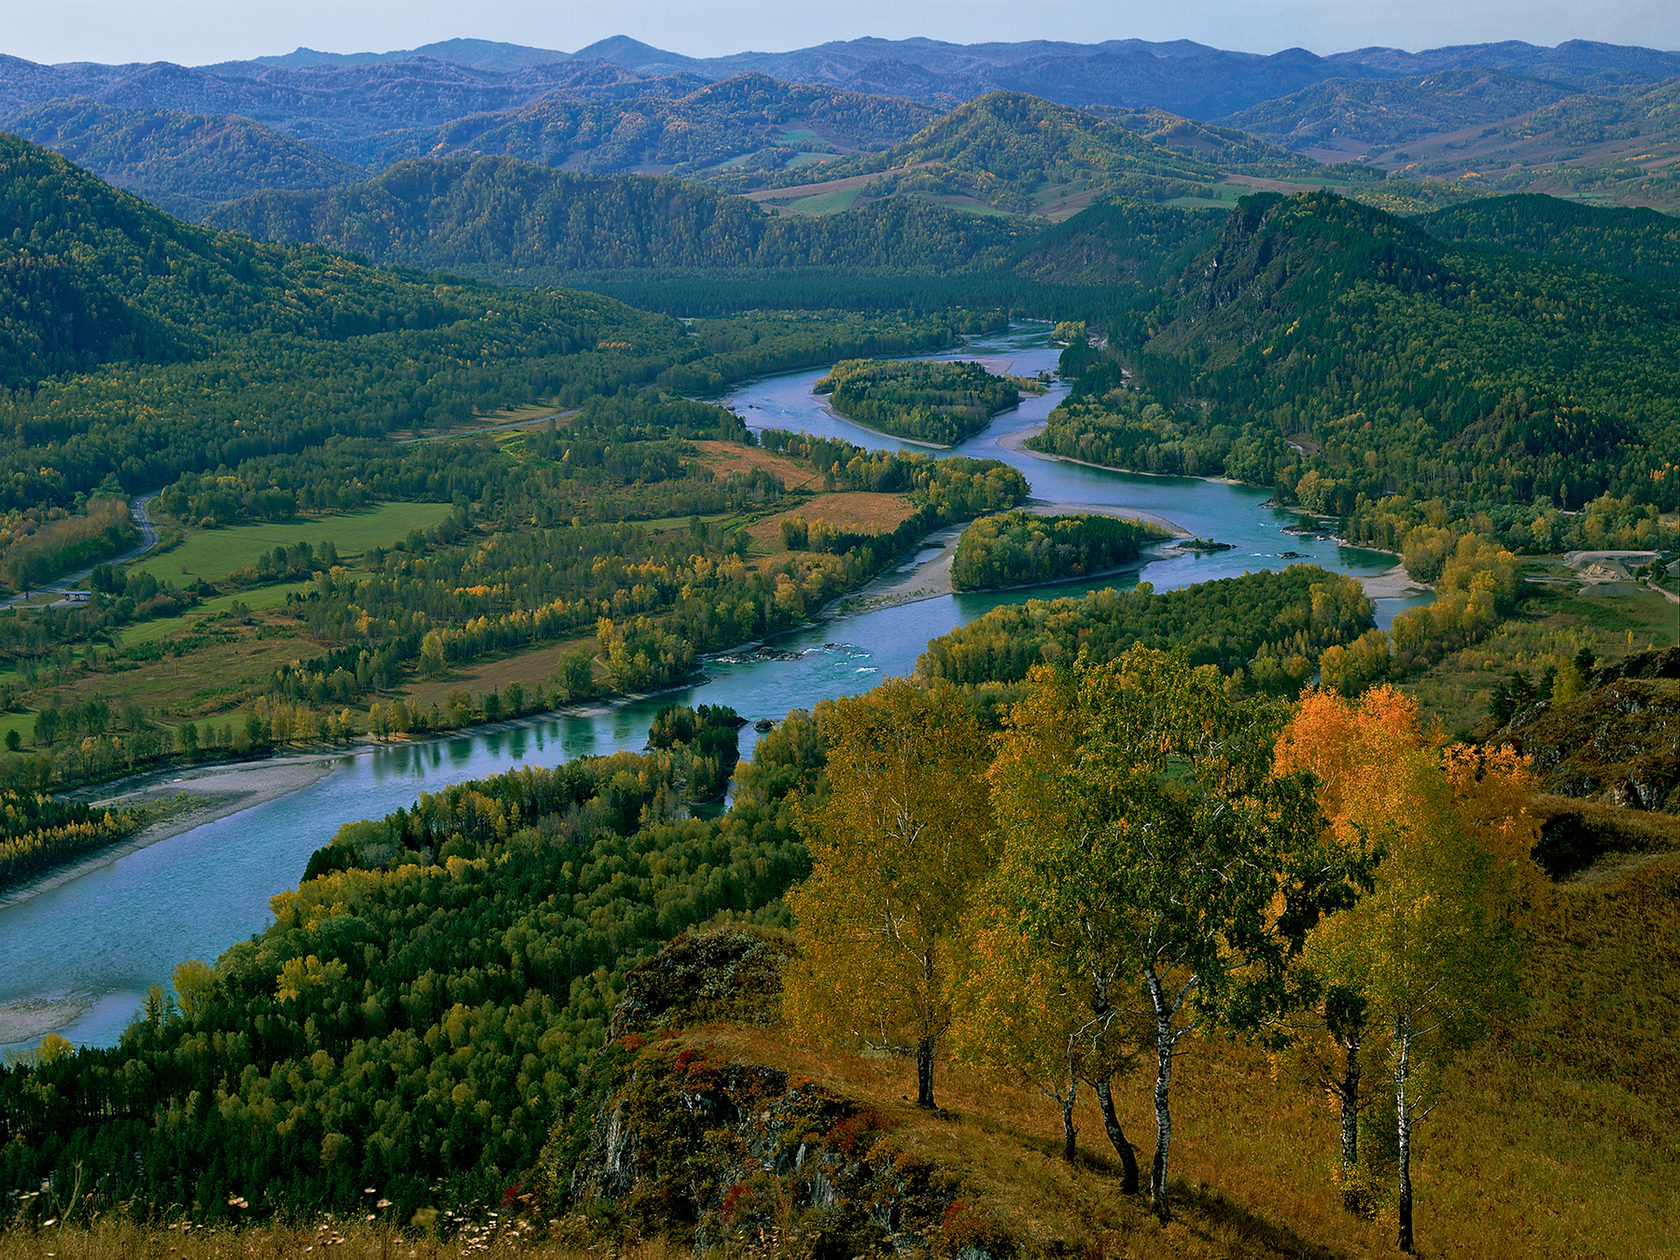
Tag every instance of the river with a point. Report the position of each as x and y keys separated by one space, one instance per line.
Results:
x=87 y=949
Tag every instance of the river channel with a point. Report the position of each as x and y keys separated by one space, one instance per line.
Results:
x=87 y=948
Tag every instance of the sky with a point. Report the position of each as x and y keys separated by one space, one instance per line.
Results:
x=194 y=32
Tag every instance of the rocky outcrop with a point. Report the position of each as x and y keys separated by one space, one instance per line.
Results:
x=677 y=1136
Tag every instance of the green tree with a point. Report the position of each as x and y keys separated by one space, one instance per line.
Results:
x=1173 y=867
x=896 y=849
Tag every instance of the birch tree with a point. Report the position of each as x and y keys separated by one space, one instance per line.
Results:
x=1432 y=951
x=896 y=849
x=1176 y=870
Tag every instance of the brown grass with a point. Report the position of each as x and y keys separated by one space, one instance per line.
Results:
x=1559 y=1135
x=210 y=680
x=857 y=511
x=528 y=668
x=113 y=1239
x=729 y=457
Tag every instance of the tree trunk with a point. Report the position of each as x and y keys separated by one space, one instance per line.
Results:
x=1350 y=1104
x=1069 y=1133
x=1117 y=1139
x=924 y=1072
x=1163 y=1094
x=1403 y=1118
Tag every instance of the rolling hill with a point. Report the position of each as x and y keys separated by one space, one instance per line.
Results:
x=184 y=163
x=1358 y=348
x=1012 y=152
x=671 y=127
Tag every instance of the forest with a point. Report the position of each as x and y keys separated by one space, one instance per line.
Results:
x=1018 y=548
x=937 y=403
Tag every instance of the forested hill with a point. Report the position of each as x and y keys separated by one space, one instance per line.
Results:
x=1383 y=360
x=669 y=126
x=506 y=215
x=1021 y=153
x=184 y=163
x=177 y=348
x=1641 y=244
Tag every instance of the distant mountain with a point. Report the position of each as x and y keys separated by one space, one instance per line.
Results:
x=1019 y=153
x=1346 y=118
x=477 y=54
x=184 y=163
x=507 y=219
x=748 y=120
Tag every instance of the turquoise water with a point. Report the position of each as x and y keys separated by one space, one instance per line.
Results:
x=100 y=939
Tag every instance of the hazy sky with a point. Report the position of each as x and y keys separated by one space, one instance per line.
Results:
x=197 y=31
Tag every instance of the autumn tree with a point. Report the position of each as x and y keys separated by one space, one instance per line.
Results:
x=896 y=848
x=1019 y=1010
x=1148 y=842
x=1431 y=951
x=1032 y=1003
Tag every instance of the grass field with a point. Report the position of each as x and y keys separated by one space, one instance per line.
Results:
x=825 y=203
x=214 y=553
x=859 y=511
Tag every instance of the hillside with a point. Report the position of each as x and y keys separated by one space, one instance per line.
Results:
x=1387 y=361
x=1349 y=118
x=505 y=217
x=100 y=282
x=750 y=121
x=184 y=163
x=1638 y=243
x=1013 y=152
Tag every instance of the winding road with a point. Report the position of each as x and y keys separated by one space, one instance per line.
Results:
x=72 y=581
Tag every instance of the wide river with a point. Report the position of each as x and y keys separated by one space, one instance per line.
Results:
x=89 y=947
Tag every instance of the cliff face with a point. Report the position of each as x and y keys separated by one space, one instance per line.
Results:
x=681 y=1136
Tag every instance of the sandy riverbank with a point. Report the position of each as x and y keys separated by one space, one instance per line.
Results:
x=193 y=798
x=910 y=584
x=1393 y=583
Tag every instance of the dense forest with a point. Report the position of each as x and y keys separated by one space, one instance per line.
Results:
x=421 y=1042
x=938 y=403
x=1368 y=370
x=1267 y=630
x=1017 y=548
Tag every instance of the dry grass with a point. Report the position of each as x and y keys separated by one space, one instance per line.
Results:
x=211 y=680
x=528 y=668
x=729 y=457
x=1560 y=1134
x=114 y=1239
x=855 y=511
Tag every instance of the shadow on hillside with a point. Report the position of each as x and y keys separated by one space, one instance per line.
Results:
x=1201 y=1209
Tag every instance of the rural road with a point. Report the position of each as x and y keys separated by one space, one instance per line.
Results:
x=72 y=581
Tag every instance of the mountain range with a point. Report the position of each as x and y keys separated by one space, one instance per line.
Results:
x=1585 y=119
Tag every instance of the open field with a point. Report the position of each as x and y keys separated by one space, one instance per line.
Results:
x=214 y=553
x=857 y=511
x=727 y=457
x=528 y=668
